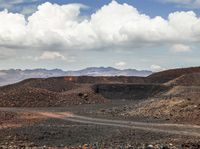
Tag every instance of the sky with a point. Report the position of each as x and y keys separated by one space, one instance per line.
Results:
x=75 y=34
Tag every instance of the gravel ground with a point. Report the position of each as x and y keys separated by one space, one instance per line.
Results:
x=55 y=133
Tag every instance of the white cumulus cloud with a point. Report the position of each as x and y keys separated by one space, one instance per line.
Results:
x=180 y=48
x=47 y=55
x=120 y=64
x=156 y=68
x=62 y=27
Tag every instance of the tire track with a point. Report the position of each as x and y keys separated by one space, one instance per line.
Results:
x=175 y=129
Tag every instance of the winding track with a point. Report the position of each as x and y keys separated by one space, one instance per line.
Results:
x=176 y=129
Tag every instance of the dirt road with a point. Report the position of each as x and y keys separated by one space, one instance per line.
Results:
x=176 y=129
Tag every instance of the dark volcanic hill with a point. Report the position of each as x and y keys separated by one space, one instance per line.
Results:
x=178 y=102
x=70 y=90
x=192 y=79
x=165 y=76
x=15 y=75
x=48 y=92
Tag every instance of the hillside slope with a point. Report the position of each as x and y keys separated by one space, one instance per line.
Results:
x=48 y=92
x=178 y=103
x=70 y=90
x=192 y=79
x=165 y=76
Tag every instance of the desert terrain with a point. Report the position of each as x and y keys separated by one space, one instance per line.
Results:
x=160 y=111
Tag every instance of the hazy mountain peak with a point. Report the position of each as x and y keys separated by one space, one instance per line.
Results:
x=15 y=75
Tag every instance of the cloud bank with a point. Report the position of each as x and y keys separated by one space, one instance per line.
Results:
x=62 y=27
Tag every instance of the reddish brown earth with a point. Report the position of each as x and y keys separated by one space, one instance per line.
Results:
x=16 y=120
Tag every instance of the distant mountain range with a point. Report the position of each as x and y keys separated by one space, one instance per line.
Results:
x=15 y=75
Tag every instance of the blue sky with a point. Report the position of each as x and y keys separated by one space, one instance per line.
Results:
x=141 y=34
x=150 y=7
